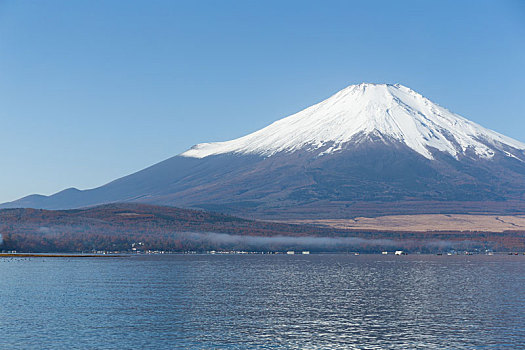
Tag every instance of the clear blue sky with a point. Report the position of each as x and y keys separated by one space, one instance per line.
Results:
x=94 y=90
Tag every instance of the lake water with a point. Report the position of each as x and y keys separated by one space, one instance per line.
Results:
x=263 y=301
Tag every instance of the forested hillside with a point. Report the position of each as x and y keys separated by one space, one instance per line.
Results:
x=120 y=227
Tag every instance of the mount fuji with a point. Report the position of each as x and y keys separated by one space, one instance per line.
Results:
x=369 y=149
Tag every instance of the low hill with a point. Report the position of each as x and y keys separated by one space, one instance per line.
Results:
x=121 y=226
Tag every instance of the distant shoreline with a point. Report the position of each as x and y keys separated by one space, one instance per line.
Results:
x=45 y=255
x=219 y=253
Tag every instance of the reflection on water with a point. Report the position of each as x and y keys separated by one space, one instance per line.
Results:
x=215 y=301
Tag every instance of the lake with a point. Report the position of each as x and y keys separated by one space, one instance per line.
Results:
x=263 y=301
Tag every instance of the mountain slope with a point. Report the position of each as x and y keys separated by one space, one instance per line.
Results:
x=365 y=146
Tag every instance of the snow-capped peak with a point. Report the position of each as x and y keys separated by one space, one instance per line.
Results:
x=390 y=111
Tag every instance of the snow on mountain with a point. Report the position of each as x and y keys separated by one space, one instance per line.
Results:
x=383 y=110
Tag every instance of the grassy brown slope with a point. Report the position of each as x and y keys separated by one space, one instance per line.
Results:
x=426 y=222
